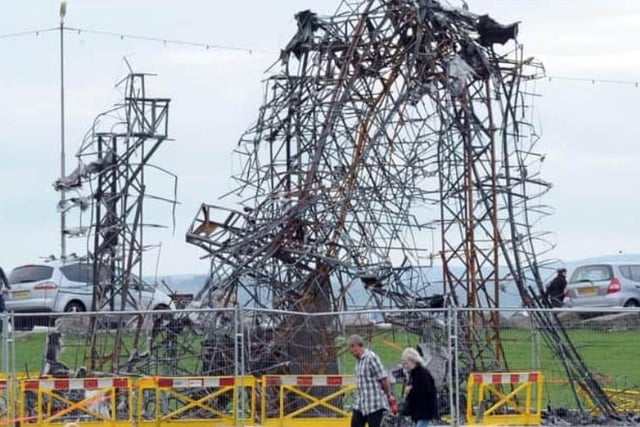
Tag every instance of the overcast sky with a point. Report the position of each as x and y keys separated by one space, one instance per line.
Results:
x=589 y=131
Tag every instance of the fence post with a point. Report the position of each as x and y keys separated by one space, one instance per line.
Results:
x=454 y=378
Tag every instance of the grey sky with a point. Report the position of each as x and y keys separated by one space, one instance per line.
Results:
x=589 y=131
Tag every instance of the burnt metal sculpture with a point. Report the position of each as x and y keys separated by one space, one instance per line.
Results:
x=387 y=121
x=113 y=164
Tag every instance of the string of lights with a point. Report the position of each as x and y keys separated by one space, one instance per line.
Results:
x=218 y=46
x=27 y=33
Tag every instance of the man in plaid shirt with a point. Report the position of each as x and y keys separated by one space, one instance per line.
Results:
x=373 y=391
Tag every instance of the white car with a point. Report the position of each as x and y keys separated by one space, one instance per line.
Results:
x=54 y=287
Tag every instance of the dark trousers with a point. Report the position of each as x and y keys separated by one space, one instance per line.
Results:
x=373 y=419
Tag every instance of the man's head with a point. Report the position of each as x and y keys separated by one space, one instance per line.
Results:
x=355 y=344
x=562 y=272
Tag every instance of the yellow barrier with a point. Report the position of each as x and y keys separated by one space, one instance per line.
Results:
x=297 y=406
x=488 y=404
x=624 y=400
x=57 y=402
x=195 y=401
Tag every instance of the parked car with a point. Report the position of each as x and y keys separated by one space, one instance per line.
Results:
x=607 y=284
x=54 y=287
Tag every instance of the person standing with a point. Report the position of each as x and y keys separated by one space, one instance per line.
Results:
x=421 y=402
x=555 y=291
x=4 y=289
x=373 y=390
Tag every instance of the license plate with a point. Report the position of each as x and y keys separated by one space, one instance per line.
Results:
x=20 y=294
x=591 y=290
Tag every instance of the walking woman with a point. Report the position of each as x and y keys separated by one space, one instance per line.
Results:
x=421 y=402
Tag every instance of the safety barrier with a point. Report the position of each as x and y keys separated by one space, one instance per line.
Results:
x=305 y=400
x=489 y=404
x=624 y=400
x=4 y=399
x=193 y=400
x=56 y=402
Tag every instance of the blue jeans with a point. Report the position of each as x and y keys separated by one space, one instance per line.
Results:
x=422 y=423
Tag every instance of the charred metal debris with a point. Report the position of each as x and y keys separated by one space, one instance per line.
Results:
x=385 y=127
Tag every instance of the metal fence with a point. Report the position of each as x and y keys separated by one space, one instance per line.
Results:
x=247 y=367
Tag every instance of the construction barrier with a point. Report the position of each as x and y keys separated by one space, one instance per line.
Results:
x=4 y=399
x=489 y=404
x=624 y=400
x=194 y=400
x=56 y=402
x=307 y=400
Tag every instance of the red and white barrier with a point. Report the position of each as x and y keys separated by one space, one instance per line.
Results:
x=76 y=384
x=311 y=380
x=505 y=378
x=196 y=382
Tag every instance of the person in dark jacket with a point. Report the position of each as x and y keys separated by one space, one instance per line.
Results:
x=421 y=402
x=4 y=289
x=555 y=291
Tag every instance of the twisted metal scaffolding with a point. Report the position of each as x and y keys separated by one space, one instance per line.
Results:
x=386 y=122
x=113 y=162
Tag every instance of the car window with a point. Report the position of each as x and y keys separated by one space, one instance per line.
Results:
x=30 y=273
x=82 y=272
x=635 y=272
x=79 y=272
x=625 y=270
x=591 y=273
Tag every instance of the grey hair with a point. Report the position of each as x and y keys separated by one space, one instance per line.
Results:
x=355 y=339
x=412 y=355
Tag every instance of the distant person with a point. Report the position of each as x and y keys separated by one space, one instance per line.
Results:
x=373 y=390
x=421 y=402
x=4 y=290
x=555 y=290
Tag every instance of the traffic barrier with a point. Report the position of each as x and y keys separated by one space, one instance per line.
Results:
x=192 y=400
x=305 y=400
x=488 y=404
x=57 y=402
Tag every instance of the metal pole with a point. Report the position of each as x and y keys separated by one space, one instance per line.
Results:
x=63 y=243
x=452 y=365
x=242 y=361
x=457 y=370
x=236 y=362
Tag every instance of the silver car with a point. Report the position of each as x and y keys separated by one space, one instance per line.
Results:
x=54 y=287
x=606 y=284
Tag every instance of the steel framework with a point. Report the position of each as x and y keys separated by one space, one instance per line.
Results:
x=387 y=120
x=113 y=161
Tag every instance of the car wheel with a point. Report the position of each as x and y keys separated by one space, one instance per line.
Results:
x=632 y=303
x=74 y=306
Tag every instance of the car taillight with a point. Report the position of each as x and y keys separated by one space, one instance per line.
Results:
x=614 y=286
x=47 y=286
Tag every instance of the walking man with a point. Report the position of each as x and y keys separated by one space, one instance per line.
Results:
x=373 y=391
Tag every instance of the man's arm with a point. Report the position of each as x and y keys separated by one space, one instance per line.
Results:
x=386 y=386
x=378 y=371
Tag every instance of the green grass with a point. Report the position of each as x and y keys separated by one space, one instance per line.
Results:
x=611 y=356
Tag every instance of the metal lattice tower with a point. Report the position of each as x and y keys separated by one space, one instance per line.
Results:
x=112 y=166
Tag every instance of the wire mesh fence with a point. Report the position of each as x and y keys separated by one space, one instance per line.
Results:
x=291 y=375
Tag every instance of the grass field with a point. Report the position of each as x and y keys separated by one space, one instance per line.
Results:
x=611 y=356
